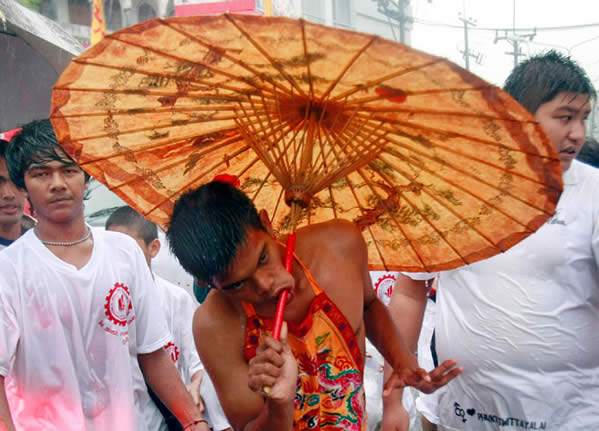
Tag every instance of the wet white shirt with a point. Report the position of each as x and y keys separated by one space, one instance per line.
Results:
x=178 y=307
x=69 y=338
x=525 y=326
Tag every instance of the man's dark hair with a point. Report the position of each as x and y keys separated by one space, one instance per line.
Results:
x=35 y=143
x=540 y=79
x=3 y=147
x=208 y=226
x=127 y=217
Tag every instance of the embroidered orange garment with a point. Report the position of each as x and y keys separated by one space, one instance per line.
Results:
x=330 y=392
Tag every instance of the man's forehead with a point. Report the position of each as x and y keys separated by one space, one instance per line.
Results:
x=41 y=159
x=573 y=101
x=4 y=169
x=244 y=262
x=47 y=163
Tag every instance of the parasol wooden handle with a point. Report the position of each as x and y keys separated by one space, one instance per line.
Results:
x=282 y=302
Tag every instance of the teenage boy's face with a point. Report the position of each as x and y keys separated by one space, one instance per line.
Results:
x=12 y=199
x=563 y=119
x=257 y=275
x=56 y=190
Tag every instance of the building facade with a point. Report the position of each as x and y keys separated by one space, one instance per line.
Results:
x=358 y=15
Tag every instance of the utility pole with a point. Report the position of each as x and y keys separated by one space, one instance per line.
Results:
x=466 y=53
x=515 y=39
x=396 y=10
x=402 y=21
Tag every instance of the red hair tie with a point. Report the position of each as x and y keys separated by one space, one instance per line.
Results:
x=229 y=179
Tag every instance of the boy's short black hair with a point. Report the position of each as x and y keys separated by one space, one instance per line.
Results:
x=208 y=226
x=3 y=148
x=35 y=143
x=127 y=217
x=541 y=78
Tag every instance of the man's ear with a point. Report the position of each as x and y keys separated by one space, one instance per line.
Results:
x=154 y=248
x=265 y=220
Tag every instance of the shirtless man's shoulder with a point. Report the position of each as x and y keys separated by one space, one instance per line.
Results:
x=333 y=242
x=336 y=255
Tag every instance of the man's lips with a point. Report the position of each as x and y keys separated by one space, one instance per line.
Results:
x=290 y=296
x=568 y=154
x=60 y=200
x=9 y=209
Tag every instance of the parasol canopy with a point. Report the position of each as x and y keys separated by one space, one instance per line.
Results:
x=436 y=166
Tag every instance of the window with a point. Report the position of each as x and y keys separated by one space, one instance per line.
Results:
x=80 y=12
x=313 y=10
x=112 y=14
x=342 y=13
x=146 y=12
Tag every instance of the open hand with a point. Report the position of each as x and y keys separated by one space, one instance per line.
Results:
x=274 y=367
x=421 y=380
x=396 y=419
x=194 y=390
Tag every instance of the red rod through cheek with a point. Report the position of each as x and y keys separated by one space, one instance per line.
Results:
x=276 y=332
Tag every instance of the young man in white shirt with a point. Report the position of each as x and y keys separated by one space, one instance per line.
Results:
x=524 y=324
x=178 y=307
x=77 y=310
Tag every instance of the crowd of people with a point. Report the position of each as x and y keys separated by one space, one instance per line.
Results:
x=92 y=339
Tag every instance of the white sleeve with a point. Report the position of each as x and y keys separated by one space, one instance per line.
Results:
x=595 y=234
x=420 y=275
x=151 y=328
x=189 y=352
x=10 y=329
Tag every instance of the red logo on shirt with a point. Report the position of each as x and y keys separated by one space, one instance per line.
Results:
x=384 y=287
x=118 y=304
x=173 y=350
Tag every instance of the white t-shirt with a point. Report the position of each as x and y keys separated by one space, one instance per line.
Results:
x=179 y=307
x=69 y=338
x=525 y=326
x=383 y=284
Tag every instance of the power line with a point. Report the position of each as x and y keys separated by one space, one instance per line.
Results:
x=504 y=29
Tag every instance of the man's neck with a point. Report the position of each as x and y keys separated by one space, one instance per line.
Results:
x=76 y=232
x=61 y=232
x=11 y=231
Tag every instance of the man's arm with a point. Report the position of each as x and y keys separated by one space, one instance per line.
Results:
x=6 y=423
x=219 y=337
x=383 y=333
x=194 y=389
x=164 y=379
x=406 y=308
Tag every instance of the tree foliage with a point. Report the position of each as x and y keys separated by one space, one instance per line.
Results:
x=34 y=5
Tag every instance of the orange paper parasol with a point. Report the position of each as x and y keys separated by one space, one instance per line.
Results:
x=437 y=167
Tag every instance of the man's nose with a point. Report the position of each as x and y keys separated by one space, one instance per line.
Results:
x=578 y=130
x=7 y=192
x=264 y=281
x=57 y=181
